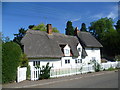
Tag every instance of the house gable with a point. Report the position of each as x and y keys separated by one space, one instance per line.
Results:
x=66 y=50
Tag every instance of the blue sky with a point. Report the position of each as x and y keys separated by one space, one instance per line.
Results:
x=16 y=15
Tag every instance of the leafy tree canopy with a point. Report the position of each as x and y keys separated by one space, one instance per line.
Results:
x=117 y=26
x=31 y=26
x=103 y=30
x=23 y=62
x=100 y=27
x=18 y=37
x=83 y=27
x=69 y=29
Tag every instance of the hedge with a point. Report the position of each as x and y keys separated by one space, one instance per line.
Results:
x=11 y=53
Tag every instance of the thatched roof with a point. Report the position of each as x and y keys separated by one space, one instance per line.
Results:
x=87 y=40
x=39 y=44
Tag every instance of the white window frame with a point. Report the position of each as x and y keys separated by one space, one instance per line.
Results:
x=67 y=61
x=78 y=61
x=67 y=51
x=36 y=63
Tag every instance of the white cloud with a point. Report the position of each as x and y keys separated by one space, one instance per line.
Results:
x=77 y=19
x=97 y=16
x=114 y=12
x=112 y=15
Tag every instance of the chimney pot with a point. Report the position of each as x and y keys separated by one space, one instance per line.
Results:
x=49 y=28
x=76 y=31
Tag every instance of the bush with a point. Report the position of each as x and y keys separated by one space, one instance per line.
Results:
x=96 y=66
x=28 y=72
x=117 y=58
x=45 y=72
x=111 y=69
x=11 y=53
x=23 y=60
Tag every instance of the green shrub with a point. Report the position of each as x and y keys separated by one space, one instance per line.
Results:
x=117 y=58
x=28 y=72
x=96 y=66
x=11 y=53
x=111 y=68
x=23 y=61
x=45 y=72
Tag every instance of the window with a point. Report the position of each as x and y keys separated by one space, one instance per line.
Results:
x=92 y=49
x=78 y=61
x=79 y=49
x=66 y=51
x=36 y=63
x=67 y=61
x=75 y=60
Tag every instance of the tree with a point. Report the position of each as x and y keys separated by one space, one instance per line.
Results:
x=103 y=30
x=3 y=38
x=69 y=29
x=42 y=27
x=83 y=27
x=111 y=43
x=117 y=26
x=100 y=27
x=18 y=37
x=31 y=26
x=6 y=39
x=23 y=60
x=11 y=53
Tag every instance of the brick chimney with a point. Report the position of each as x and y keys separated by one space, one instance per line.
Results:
x=76 y=31
x=49 y=28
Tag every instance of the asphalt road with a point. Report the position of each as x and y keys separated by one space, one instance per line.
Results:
x=98 y=80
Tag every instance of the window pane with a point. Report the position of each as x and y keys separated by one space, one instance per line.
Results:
x=38 y=62
x=80 y=60
x=75 y=61
x=33 y=63
x=79 y=49
x=66 y=51
x=68 y=61
x=65 y=61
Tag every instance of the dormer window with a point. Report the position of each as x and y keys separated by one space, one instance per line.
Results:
x=79 y=49
x=67 y=51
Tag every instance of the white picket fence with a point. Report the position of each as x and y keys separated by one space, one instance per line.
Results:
x=105 y=66
x=71 y=71
x=35 y=72
x=21 y=74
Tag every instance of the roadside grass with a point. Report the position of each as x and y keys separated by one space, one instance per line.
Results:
x=111 y=69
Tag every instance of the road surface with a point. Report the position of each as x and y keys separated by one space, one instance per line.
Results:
x=103 y=79
x=98 y=80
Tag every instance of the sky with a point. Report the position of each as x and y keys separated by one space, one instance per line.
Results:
x=16 y=15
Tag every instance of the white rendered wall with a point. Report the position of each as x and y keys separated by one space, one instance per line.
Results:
x=80 y=53
x=56 y=63
x=67 y=48
x=72 y=63
x=92 y=53
x=60 y=63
